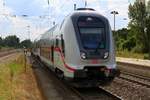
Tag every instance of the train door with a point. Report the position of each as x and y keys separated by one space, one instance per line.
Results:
x=56 y=52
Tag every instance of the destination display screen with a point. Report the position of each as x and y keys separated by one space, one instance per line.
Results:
x=90 y=22
x=92 y=30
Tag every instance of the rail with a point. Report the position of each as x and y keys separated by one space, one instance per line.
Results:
x=145 y=67
x=135 y=78
x=5 y=53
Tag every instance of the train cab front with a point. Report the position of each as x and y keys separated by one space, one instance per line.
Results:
x=96 y=62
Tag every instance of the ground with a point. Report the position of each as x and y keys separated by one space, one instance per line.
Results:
x=16 y=83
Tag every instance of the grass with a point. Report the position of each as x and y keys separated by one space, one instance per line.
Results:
x=8 y=72
x=16 y=83
x=128 y=54
x=16 y=66
x=4 y=83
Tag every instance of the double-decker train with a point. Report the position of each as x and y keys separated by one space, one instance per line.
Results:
x=80 y=49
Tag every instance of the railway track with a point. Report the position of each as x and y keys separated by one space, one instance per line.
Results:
x=5 y=53
x=6 y=57
x=68 y=92
x=135 y=78
x=94 y=94
x=141 y=67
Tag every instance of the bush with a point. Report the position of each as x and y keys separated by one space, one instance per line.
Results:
x=129 y=54
x=137 y=49
x=146 y=56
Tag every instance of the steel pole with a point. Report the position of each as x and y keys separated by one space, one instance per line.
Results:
x=114 y=20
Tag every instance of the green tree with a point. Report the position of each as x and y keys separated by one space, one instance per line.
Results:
x=137 y=25
x=1 y=42
x=148 y=26
x=26 y=43
x=124 y=40
x=147 y=31
x=148 y=8
x=12 y=41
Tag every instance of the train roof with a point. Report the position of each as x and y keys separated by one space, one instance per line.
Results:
x=87 y=12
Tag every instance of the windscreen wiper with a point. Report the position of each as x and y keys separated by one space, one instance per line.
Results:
x=97 y=47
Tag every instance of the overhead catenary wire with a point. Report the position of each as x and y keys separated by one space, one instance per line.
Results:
x=51 y=13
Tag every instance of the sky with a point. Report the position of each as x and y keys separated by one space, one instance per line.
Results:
x=40 y=14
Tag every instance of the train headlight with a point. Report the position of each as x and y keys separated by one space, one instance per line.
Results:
x=83 y=55
x=106 y=55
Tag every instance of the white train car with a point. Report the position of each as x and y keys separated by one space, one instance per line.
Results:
x=80 y=49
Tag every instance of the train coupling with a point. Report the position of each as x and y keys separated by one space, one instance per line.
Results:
x=112 y=72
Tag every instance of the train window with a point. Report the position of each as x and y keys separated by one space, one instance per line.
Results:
x=62 y=44
x=57 y=42
x=62 y=24
x=92 y=32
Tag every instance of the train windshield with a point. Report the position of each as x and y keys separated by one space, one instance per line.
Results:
x=92 y=33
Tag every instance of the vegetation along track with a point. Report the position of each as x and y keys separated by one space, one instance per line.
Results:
x=69 y=93
x=135 y=78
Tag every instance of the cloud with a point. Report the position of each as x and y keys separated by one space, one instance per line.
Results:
x=18 y=25
x=121 y=6
x=55 y=11
x=92 y=1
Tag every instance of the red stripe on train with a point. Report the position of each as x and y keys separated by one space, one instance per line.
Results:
x=62 y=57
